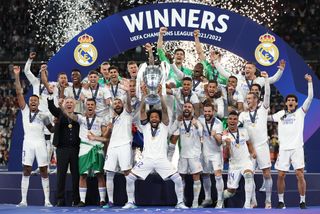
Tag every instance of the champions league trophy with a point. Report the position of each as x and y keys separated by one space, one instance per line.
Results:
x=152 y=77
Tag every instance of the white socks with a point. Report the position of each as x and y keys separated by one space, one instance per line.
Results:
x=268 y=185
x=196 y=191
x=102 y=193
x=206 y=181
x=83 y=193
x=130 y=187
x=24 y=187
x=219 y=186
x=227 y=194
x=171 y=149
x=248 y=178
x=302 y=198
x=178 y=186
x=110 y=185
x=46 y=189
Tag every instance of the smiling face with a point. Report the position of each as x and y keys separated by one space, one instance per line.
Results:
x=179 y=57
x=198 y=70
x=249 y=70
x=104 y=70
x=187 y=110
x=33 y=103
x=154 y=119
x=91 y=107
x=76 y=77
x=252 y=101
x=93 y=79
x=208 y=112
x=133 y=70
x=212 y=89
x=232 y=122
x=114 y=74
x=69 y=104
x=63 y=79
x=186 y=87
x=118 y=106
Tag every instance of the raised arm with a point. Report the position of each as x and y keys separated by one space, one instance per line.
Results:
x=266 y=98
x=165 y=115
x=162 y=31
x=148 y=47
x=143 y=113
x=19 y=90
x=214 y=59
x=71 y=115
x=128 y=96
x=278 y=74
x=178 y=72
x=44 y=79
x=307 y=102
x=198 y=45
x=52 y=107
x=27 y=71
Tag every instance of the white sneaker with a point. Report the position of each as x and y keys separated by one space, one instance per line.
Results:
x=247 y=207
x=129 y=205
x=195 y=204
x=53 y=171
x=219 y=204
x=262 y=189
x=22 y=204
x=268 y=205
x=181 y=205
x=253 y=203
x=206 y=203
x=35 y=172
x=47 y=204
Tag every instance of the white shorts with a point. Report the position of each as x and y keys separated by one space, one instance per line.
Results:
x=234 y=177
x=29 y=152
x=189 y=165
x=147 y=165
x=211 y=164
x=288 y=157
x=263 y=156
x=118 y=158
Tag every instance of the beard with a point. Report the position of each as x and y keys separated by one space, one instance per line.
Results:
x=186 y=113
x=119 y=111
x=208 y=117
x=154 y=124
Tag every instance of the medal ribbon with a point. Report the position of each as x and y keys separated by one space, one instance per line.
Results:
x=187 y=127
x=76 y=95
x=31 y=118
x=94 y=96
x=212 y=123
x=89 y=124
x=236 y=138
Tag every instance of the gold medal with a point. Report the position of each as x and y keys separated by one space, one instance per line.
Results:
x=238 y=145
x=70 y=126
x=188 y=134
x=253 y=125
x=153 y=138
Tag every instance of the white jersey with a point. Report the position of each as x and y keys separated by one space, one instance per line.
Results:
x=218 y=104
x=290 y=128
x=244 y=85
x=116 y=91
x=239 y=152
x=155 y=147
x=122 y=130
x=258 y=131
x=189 y=141
x=101 y=95
x=39 y=89
x=210 y=147
x=180 y=99
x=75 y=93
x=198 y=88
x=34 y=131
x=95 y=128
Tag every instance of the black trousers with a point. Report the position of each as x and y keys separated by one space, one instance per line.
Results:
x=66 y=156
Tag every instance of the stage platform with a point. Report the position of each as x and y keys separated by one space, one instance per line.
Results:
x=151 y=192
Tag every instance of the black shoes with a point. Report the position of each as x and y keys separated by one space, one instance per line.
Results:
x=81 y=204
x=302 y=205
x=281 y=205
x=60 y=204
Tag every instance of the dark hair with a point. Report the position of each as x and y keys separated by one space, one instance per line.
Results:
x=186 y=79
x=179 y=49
x=233 y=112
x=112 y=67
x=254 y=94
x=233 y=77
x=131 y=63
x=76 y=70
x=213 y=81
x=189 y=103
x=91 y=99
x=93 y=72
x=62 y=73
x=157 y=111
x=105 y=63
x=208 y=104
x=34 y=95
x=291 y=96
x=251 y=63
x=255 y=84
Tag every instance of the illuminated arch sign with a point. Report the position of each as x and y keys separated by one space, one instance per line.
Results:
x=222 y=28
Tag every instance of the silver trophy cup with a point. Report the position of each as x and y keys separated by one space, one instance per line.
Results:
x=152 y=77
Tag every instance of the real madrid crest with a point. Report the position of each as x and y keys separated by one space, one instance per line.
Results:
x=85 y=53
x=266 y=52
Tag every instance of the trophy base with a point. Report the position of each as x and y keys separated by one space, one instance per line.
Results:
x=152 y=99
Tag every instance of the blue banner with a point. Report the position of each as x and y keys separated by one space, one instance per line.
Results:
x=221 y=28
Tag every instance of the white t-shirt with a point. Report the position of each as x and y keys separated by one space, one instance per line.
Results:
x=155 y=147
x=239 y=152
x=290 y=129
x=189 y=141
x=95 y=129
x=199 y=89
x=258 y=131
x=210 y=146
x=34 y=131
x=102 y=109
x=122 y=130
